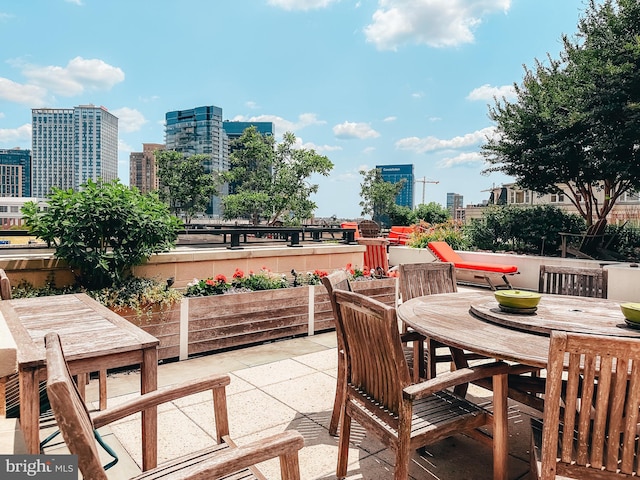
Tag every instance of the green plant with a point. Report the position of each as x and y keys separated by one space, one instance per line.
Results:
x=450 y=231
x=103 y=230
x=143 y=295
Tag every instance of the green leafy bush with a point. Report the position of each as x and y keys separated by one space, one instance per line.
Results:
x=534 y=229
x=450 y=231
x=103 y=230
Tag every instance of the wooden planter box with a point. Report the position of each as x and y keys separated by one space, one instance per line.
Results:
x=164 y=324
x=206 y=324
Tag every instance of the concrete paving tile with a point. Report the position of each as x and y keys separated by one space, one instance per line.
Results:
x=249 y=412
x=325 y=360
x=308 y=394
x=177 y=435
x=327 y=339
x=275 y=372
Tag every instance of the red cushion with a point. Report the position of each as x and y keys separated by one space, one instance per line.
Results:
x=488 y=267
x=445 y=253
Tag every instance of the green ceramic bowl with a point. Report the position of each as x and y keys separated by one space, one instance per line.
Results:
x=517 y=298
x=631 y=311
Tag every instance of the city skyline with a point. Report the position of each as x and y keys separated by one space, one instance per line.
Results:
x=365 y=83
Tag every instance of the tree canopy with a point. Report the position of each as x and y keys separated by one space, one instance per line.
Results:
x=271 y=180
x=378 y=197
x=185 y=183
x=575 y=125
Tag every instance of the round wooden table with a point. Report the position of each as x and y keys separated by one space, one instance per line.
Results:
x=560 y=312
x=471 y=320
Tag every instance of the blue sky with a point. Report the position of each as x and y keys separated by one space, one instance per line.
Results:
x=364 y=82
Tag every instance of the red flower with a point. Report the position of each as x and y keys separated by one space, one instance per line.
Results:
x=320 y=273
x=221 y=278
x=238 y=273
x=348 y=267
x=210 y=281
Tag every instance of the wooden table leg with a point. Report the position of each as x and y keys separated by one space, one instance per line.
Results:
x=500 y=433
x=30 y=409
x=102 y=382
x=148 y=383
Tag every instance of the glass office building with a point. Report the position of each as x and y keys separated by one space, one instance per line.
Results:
x=199 y=131
x=395 y=173
x=71 y=146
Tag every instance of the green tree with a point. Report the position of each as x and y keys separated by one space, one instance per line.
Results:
x=273 y=183
x=103 y=230
x=378 y=196
x=574 y=126
x=185 y=183
x=431 y=212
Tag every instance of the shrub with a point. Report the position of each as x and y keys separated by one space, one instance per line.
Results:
x=450 y=231
x=103 y=230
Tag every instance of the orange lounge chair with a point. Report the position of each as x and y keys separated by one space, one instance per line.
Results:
x=444 y=253
x=399 y=235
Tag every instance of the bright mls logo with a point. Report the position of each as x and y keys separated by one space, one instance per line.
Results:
x=50 y=467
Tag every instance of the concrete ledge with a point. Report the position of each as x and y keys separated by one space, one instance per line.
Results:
x=11 y=438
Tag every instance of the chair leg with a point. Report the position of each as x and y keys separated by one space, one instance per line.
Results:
x=343 y=445
x=339 y=399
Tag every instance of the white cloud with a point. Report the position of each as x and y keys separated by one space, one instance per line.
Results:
x=21 y=134
x=5 y=16
x=301 y=4
x=487 y=92
x=76 y=77
x=471 y=158
x=75 y=2
x=392 y=118
x=369 y=150
x=19 y=93
x=417 y=95
x=129 y=119
x=436 y=23
x=429 y=144
x=124 y=146
x=252 y=105
x=280 y=124
x=349 y=130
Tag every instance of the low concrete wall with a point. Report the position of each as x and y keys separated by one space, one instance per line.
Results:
x=185 y=264
x=622 y=283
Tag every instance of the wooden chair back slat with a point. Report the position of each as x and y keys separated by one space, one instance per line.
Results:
x=5 y=286
x=418 y=279
x=597 y=410
x=375 y=359
x=576 y=281
x=70 y=411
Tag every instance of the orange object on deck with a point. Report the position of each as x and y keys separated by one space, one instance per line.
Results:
x=375 y=256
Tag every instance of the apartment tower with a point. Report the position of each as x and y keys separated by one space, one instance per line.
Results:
x=15 y=173
x=143 y=171
x=71 y=146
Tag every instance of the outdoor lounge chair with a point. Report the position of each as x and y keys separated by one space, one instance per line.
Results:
x=223 y=459
x=488 y=271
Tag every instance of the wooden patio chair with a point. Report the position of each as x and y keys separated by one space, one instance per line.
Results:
x=418 y=279
x=589 y=427
x=580 y=282
x=584 y=245
x=369 y=229
x=221 y=460
x=404 y=415
x=339 y=280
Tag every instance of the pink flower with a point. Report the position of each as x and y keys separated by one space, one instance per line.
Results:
x=221 y=278
x=238 y=273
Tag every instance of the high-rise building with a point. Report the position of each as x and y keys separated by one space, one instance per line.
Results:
x=15 y=173
x=199 y=131
x=143 y=171
x=71 y=146
x=454 y=205
x=396 y=173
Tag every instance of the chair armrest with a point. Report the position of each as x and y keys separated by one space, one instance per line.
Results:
x=412 y=336
x=284 y=445
x=451 y=379
x=162 y=395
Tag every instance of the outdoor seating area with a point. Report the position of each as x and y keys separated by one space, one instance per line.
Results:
x=378 y=397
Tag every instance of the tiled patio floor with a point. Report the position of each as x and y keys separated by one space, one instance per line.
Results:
x=285 y=385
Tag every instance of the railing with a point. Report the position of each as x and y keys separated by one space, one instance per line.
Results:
x=293 y=235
